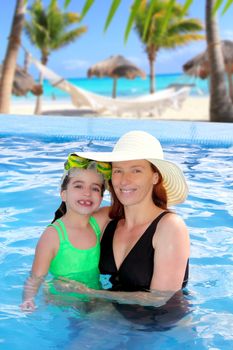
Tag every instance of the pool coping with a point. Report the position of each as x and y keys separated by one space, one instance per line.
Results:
x=69 y=127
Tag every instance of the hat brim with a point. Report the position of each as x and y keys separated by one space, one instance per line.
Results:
x=173 y=178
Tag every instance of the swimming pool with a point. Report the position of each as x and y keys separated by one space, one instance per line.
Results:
x=32 y=152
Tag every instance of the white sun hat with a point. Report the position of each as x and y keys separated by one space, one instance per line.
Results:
x=135 y=145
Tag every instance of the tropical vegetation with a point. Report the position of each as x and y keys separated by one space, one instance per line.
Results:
x=179 y=31
x=212 y=6
x=48 y=29
x=221 y=106
x=9 y=63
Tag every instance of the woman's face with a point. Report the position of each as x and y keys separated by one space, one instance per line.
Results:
x=133 y=181
x=84 y=192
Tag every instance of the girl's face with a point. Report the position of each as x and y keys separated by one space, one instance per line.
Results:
x=84 y=192
x=133 y=181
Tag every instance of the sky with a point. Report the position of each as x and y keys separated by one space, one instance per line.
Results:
x=96 y=45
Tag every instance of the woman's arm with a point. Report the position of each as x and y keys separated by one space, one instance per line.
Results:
x=102 y=217
x=45 y=251
x=150 y=298
x=172 y=249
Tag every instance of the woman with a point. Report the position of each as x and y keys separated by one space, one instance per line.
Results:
x=146 y=246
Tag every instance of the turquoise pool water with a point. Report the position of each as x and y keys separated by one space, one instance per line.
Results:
x=32 y=152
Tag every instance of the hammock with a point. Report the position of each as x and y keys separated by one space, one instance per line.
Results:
x=146 y=105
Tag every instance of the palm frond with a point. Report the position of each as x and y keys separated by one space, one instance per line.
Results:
x=227 y=5
x=186 y=6
x=48 y=28
x=217 y=5
x=111 y=13
x=66 y=3
x=67 y=38
x=135 y=7
x=88 y=4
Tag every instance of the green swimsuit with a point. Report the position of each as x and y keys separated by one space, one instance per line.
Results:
x=77 y=264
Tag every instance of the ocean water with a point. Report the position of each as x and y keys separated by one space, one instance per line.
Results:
x=125 y=87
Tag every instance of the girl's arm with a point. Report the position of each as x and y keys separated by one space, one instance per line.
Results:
x=45 y=251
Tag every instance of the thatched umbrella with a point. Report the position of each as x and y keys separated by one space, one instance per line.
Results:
x=24 y=82
x=199 y=65
x=115 y=67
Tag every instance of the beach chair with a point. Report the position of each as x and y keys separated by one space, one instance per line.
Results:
x=146 y=105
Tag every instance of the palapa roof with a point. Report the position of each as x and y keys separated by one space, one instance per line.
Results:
x=116 y=67
x=24 y=82
x=199 y=65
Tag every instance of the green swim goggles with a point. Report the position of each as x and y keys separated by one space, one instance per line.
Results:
x=74 y=161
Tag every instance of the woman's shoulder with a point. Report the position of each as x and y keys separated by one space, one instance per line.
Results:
x=172 y=236
x=172 y=216
x=171 y=224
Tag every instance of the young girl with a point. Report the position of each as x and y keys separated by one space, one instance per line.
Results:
x=70 y=246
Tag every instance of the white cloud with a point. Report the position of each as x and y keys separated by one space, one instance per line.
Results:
x=76 y=64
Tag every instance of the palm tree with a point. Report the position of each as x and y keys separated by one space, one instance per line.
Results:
x=9 y=64
x=221 y=107
x=48 y=30
x=179 y=31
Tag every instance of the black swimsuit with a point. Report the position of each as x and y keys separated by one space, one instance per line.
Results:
x=136 y=270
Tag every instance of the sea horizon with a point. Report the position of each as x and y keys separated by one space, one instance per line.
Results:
x=125 y=87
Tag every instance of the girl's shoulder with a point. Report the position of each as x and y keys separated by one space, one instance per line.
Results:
x=49 y=235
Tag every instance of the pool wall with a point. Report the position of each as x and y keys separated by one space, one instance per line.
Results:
x=214 y=134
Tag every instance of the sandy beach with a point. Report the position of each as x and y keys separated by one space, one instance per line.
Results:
x=193 y=108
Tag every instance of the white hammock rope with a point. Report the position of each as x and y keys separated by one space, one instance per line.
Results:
x=151 y=104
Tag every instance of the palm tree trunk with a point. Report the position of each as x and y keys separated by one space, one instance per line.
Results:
x=38 y=106
x=221 y=107
x=26 y=61
x=9 y=64
x=152 y=75
x=114 y=87
x=230 y=84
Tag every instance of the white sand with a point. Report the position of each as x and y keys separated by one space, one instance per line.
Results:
x=193 y=108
